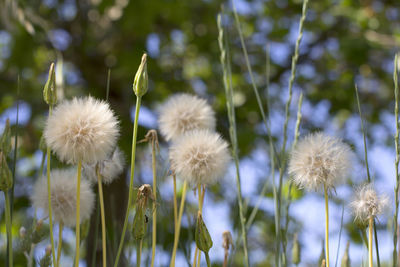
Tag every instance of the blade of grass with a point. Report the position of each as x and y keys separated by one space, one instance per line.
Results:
x=224 y=58
x=367 y=166
x=396 y=141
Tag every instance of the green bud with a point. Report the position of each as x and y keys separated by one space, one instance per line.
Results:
x=296 y=250
x=25 y=243
x=50 y=90
x=140 y=84
x=139 y=224
x=202 y=236
x=346 y=258
x=5 y=141
x=45 y=261
x=6 y=179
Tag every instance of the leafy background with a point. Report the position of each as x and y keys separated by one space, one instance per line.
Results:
x=345 y=42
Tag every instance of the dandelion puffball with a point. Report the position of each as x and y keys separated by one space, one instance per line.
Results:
x=320 y=160
x=63 y=196
x=185 y=112
x=109 y=168
x=367 y=203
x=200 y=157
x=82 y=129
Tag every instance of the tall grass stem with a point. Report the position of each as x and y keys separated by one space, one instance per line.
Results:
x=102 y=216
x=78 y=213
x=9 y=227
x=60 y=231
x=371 y=226
x=396 y=141
x=154 y=230
x=326 y=226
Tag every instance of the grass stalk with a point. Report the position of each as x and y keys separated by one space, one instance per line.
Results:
x=154 y=231
x=9 y=228
x=96 y=231
x=60 y=230
x=175 y=203
x=371 y=226
x=326 y=227
x=396 y=141
x=178 y=226
x=130 y=195
x=49 y=196
x=102 y=216
x=78 y=221
x=232 y=127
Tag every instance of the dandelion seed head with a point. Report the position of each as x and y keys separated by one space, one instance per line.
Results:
x=320 y=160
x=82 y=129
x=185 y=112
x=63 y=196
x=367 y=203
x=200 y=157
x=109 y=168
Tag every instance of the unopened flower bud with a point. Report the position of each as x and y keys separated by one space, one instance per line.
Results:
x=202 y=236
x=49 y=91
x=6 y=178
x=22 y=232
x=48 y=250
x=296 y=250
x=140 y=84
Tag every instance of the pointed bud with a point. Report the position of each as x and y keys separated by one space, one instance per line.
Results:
x=5 y=141
x=140 y=84
x=22 y=232
x=346 y=258
x=6 y=179
x=202 y=236
x=139 y=224
x=296 y=250
x=49 y=91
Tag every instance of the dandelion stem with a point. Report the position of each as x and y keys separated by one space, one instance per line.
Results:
x=197 y=254
x=175 y=203
x=396 y=140
x=60 y=230
x=78 y=221
x=208 y=259
x=178 y=227
x=371 y=227
x=8 y=226
x=326 y=226
x=103 y=220
x=130 y=195
x=154 y=233
x=139 y=252
x=49 y=196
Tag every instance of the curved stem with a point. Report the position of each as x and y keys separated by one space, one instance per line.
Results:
x=60 y=230
x=9 y=229
x=130 y=195
x=78 y=221
x=154 y=234
x=103 y=220
x=178 y=226
x=371 y=227
x=49 y=196
x=326 y=226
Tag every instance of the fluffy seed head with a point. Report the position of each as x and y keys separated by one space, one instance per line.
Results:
x=367 y=203
x=199 y=156
x=109 y=168
x=319 y=160
x=63 y=196
x=185 y=112
x=82 y=129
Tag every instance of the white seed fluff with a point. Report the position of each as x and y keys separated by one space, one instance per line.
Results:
x=367 y=203
x=182 y=113
x=82 y=129
x=63 y=196
x=109 y=168
x=200 y=157
x=320 y=160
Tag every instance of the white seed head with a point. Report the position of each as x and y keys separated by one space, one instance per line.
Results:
x=109 y=168
x=200 y=157
x=82 y=129
x=63 y=196
x=185 y=112
x=367 y=203
x=320 y=160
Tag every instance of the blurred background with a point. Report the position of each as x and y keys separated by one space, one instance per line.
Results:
x=345 y=42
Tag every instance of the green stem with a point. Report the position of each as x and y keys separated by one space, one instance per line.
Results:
x=396 y=141
x=103 y=220
x=178 y=226
x=154 y=231
x=130 y=195
x=96 y=232
x=371 y=226
x=207 y=259
x=78 y=221
x=326 y=226
x=139 y=253
x=9 y=229
x=49 y=196
x=60 y=230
